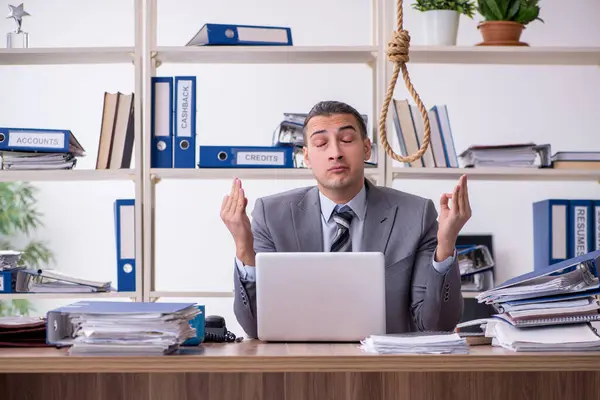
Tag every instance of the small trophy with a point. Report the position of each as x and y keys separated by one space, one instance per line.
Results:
x=17 y=39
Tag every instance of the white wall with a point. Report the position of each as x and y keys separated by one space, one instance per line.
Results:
x=242 y=104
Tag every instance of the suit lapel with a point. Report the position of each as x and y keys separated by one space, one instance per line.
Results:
x=379 y=220
x=306 y=217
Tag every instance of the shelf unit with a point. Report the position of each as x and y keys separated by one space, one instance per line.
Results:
x=147 y=57
x=372 y=55
x=375 y=57
x=80 y=56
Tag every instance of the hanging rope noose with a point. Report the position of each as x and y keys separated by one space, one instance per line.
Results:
x=398 y=54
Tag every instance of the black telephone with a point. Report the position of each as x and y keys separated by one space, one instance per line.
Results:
x=216 y=331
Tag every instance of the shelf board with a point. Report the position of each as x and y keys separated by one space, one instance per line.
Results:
x=498 y=174
x=34 y=296
x=67 y=175
x=268 y=54
x=525 y=55
x=242 y=173
x=66 y=55
x=166 y=293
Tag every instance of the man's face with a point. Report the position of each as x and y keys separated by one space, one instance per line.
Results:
x=335 y=150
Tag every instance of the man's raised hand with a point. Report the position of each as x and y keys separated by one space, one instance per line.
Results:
x=233 y=214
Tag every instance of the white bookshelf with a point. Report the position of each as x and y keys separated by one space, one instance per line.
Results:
x=242 y=173
x=157 y=294
x=498 y=174
x=41 y=296
x=146 y=58
x=267 y=55
x=14 y=58
x=506 y=55
x=74 y=175
x=67 y=55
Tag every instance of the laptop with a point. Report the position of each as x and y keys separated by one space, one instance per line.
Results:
x=320 y=297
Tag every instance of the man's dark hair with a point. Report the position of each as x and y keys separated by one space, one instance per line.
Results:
x=328 y=108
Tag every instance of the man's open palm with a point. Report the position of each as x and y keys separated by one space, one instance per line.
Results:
x=233 y=214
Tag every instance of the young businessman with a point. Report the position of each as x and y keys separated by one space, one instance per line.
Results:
x=345 y=212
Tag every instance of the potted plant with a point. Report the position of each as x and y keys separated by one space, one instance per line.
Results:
x=504 y=20
x=18 y=219
x=441 y=19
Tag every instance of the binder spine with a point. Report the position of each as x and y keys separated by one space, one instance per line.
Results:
x=184 y=152
x=161 y=126
x=125 y=244
x=550 y=232
x=581 y=230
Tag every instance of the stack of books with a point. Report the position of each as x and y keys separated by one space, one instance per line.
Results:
x=545 y=308
x=39 y=149
x=576 y=160
x=114 y=327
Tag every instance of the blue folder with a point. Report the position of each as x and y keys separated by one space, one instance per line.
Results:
x=248 y=35
x=591 y=260
x=246 y=157
x=40 y=140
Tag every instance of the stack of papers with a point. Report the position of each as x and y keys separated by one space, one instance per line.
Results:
x=511 y=155
x=9 y=259
x=52 y=281
x=559 y=300
x=15 y=160
x=120 y=328
x=574 y=337
x=416 y=343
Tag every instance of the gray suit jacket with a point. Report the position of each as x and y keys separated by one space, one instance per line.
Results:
x=400 y=225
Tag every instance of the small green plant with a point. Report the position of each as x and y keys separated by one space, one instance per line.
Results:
x=18 y=218
x=521 y=11
x=465 y=7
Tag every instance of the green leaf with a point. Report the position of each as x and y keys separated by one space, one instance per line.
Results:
x=513 y=10
x=494 y=9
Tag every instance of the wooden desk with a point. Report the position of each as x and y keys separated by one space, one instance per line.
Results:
x=255 y=370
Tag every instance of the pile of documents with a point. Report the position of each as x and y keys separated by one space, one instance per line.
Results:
x=9 y=259
x=558 y=302
x=15 y=160
x=416 y=343
x=122 y=328
x=53 y=281
x=510 y=155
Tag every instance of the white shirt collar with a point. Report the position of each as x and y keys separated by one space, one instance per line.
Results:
x=358 y=204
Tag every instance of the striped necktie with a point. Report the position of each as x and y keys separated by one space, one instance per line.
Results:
x=341 y=241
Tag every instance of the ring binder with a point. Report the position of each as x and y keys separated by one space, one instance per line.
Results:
x=573 y=319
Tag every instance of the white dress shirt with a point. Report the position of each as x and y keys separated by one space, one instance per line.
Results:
x=358 y=204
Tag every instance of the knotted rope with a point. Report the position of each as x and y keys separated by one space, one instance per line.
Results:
x=398 y=54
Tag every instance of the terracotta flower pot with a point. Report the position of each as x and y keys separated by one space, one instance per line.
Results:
x=501 y=33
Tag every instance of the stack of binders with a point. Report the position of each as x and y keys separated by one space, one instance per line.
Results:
x=39 y=149
x=541 y=304
x=122 y=328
